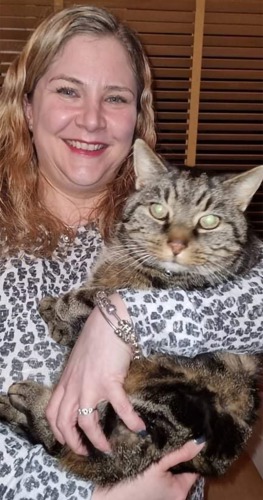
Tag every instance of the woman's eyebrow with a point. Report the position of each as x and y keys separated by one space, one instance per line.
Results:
x=118 y=88
x=69 y=79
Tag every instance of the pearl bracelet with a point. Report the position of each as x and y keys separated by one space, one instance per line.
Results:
x=124 y=328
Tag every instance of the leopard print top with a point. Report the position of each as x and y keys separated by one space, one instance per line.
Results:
x=229 y=317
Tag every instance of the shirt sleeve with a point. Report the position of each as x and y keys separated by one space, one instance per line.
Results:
x=228 y=317
x=28 y=472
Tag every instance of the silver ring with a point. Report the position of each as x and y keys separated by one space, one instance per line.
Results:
x=86 y=411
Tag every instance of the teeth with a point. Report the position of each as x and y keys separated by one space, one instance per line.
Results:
x=85 y=146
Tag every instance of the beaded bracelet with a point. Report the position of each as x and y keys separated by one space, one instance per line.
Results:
x=124 y=328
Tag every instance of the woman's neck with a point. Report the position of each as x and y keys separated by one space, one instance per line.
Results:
x=72 y=210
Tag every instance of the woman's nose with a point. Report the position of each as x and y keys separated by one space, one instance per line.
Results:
x=91 y=117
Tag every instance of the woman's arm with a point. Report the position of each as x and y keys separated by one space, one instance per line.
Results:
x=228 y=317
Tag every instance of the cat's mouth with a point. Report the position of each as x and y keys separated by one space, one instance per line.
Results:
x=174 y=267
x=184 y=262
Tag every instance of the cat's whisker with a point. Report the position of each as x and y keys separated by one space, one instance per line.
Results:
x=217 y=273
x=134 y=255
x=132 y=262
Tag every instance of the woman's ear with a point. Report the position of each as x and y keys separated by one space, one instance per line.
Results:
x=27 y=105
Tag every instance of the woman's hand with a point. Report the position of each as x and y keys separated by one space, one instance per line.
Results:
x=157 y=483
x=95 y=372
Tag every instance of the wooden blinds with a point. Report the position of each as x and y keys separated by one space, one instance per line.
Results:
x=207 y=61
x=230 y=128
x=18 y=18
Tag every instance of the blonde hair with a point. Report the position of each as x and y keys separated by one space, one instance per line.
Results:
x=23 y=219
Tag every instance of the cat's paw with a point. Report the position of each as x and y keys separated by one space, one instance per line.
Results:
x=47 y=308
x=29 y=396
x=59 y=330
x=9 y=413
x=29 y=400
x=22 y=395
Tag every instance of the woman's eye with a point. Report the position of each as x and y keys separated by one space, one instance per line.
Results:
x=158 y=211
x=67 y=91
x=116 y=99
x=209 y=221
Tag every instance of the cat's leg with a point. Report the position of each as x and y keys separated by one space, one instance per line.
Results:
x=66 y=315
x=26 y=407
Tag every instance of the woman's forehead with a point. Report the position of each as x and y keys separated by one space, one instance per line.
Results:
x=94 y=54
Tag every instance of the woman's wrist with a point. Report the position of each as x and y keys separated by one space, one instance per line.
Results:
x=116 y=315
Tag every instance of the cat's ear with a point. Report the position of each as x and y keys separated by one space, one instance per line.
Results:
x=245 y=185
x=146 y=163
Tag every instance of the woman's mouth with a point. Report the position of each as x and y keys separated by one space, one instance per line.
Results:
x=87 y=148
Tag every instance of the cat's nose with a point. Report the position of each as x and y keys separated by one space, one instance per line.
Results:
x=177 y=246
x=178 y=238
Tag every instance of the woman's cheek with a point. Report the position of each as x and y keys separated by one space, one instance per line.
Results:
x=127 y=124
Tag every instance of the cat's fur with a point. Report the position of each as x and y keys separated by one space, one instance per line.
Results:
x=160 y=242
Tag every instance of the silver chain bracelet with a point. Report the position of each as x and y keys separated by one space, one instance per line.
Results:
x=124 y=328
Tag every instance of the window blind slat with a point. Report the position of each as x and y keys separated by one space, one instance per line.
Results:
x=163 y=28
x=159 y=16
x=230 y=41
x=159 y=5
x=232 y=106
x=235 y=7
x=28 y=10
x=236 y=64
x=231 y=96
x=163 y=84
x=170 y=62
x=14 y=23
x=233 y=30
x=241 y=18
x=168 y=50
x=168 y=39
x=15 y=4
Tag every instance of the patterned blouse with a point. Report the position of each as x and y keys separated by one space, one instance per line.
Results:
x=229 y=317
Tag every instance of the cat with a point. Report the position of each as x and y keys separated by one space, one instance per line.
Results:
x=184 y=229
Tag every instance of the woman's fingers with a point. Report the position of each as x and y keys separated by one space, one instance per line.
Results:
x=123 y=407
x=184 y=454
x=90 y=423
x=63 y=425
x=91 y=427
x=62 y=416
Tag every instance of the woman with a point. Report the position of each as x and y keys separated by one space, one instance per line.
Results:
x=72 y=104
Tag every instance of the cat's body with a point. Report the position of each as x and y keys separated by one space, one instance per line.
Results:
x=163 y=241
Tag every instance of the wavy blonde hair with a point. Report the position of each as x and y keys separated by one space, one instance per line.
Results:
x=25 y=224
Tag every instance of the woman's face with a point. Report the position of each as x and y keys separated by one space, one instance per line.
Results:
x=83 y=114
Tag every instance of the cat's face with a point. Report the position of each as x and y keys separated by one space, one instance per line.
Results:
x=185 y=223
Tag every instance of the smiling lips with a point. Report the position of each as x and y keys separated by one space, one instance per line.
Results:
x=85 y=147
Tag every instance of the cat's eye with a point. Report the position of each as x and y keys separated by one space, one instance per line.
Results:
x=209 y=221
x=158 y=211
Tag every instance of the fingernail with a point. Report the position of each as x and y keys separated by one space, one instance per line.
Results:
x=109 y=453
x=143 y=433
x=200 y=440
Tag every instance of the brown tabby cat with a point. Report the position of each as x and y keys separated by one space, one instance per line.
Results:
x=178 y=229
